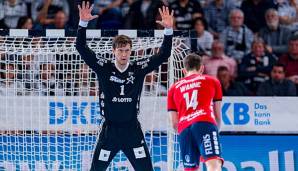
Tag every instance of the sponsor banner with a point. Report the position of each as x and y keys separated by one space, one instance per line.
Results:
x=260 y=114
x=49 y=153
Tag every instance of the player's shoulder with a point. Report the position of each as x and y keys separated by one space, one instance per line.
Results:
x=211 y=78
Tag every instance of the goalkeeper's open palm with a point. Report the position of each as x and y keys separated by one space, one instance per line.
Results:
x=85 y=12
x=167 y=18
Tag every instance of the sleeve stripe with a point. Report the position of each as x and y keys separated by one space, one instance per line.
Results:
x=217 y=100
x=169 y=110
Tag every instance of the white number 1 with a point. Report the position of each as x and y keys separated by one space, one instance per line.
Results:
x=122 y=90
x=193 y=102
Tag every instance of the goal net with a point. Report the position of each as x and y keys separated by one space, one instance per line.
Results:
x=49 y=112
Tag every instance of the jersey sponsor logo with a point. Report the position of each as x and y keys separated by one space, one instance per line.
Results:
x=130 y=79
x=121 y=100
x=101 y=61
x=116 y=79
x=190 y=86
x=207 y=144
x=193 y=115
x=143 y=62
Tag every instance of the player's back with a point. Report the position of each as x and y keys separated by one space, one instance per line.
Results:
x=193 y=97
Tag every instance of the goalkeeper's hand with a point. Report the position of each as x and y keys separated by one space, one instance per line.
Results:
x=85 y=12
x=167 y=18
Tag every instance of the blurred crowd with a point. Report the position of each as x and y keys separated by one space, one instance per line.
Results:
x=251 y=46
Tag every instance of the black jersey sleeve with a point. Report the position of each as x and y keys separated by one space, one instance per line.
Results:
x=149 y=64
x=94 y=61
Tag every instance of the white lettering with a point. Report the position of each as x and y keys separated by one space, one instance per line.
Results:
x=121 y=100
x=116 y=79
x=190 y=86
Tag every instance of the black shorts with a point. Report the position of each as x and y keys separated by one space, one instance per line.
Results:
x=128 y=138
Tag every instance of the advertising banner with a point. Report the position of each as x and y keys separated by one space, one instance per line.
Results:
x=241 y=153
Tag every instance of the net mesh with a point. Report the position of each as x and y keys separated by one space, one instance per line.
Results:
x=49 y=110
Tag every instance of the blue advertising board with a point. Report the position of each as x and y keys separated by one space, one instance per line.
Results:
x=241 y=152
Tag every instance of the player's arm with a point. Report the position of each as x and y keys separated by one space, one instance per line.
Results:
x=172 y=109
x=217 y=102
x=217 y=112
x=86 y=53
x=166 y=47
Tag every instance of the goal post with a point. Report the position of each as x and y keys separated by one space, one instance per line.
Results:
x=49 y=112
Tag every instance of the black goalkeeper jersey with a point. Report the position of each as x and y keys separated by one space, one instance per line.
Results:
x=120 y=91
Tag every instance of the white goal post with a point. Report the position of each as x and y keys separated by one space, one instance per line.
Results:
x=49 y=117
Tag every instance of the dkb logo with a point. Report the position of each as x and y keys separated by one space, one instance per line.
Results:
x=239 y=112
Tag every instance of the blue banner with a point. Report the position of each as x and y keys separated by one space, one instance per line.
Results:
x=51 y=153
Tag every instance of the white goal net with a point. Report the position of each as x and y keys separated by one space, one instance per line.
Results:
x=49 y=112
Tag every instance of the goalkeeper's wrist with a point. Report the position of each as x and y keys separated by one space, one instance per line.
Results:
x=83 y=23
x=168 y=31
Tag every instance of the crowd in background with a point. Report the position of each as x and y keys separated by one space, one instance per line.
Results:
x=251 y=46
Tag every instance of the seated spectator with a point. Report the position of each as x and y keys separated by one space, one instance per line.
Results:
x=44 y=11
x=237 y=38
x=29 y=73
x=110 y=13
x=228 y=85
x=48 y=84
x=217 y=59
x=290 y=60
x=85 y=85
x=287 y=13
x=278 y=85
x=184 y=13
x=59 y=21
x=256 y=66
x=216 y=14
x=201 y=40
x=25 y=23
x=11 y=11
x=275 y=36
x=9 y=84
x=143 y=14
x=254 y=13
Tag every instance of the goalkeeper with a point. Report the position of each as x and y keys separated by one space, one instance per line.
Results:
x=121 y=83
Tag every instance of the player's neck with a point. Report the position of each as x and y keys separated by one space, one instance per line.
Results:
x=193 y=72
x=120 y=67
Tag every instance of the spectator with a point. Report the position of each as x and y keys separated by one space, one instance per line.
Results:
x=217 y=59
x=25 y=23
x=49 y=85
x=256 y=66
x=44 y=11
x=277 y=85
x=29 y=73
x=184 y=12
x=275 y=36
x=59 y=21
x=9 y=84
x=202 y=40
x=85 y=85
x=110 y=13
x=228 y=85
x=237 y=38
x=143 y=14
x=287 y=12
x=290 y=60
x=216 y=14
x=11 y=11
x=254 y=13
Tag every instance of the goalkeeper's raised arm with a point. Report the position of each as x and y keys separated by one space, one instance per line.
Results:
x=86 y=53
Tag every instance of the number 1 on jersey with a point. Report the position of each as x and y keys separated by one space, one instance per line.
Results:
x=193 y=102
x=122 y=90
